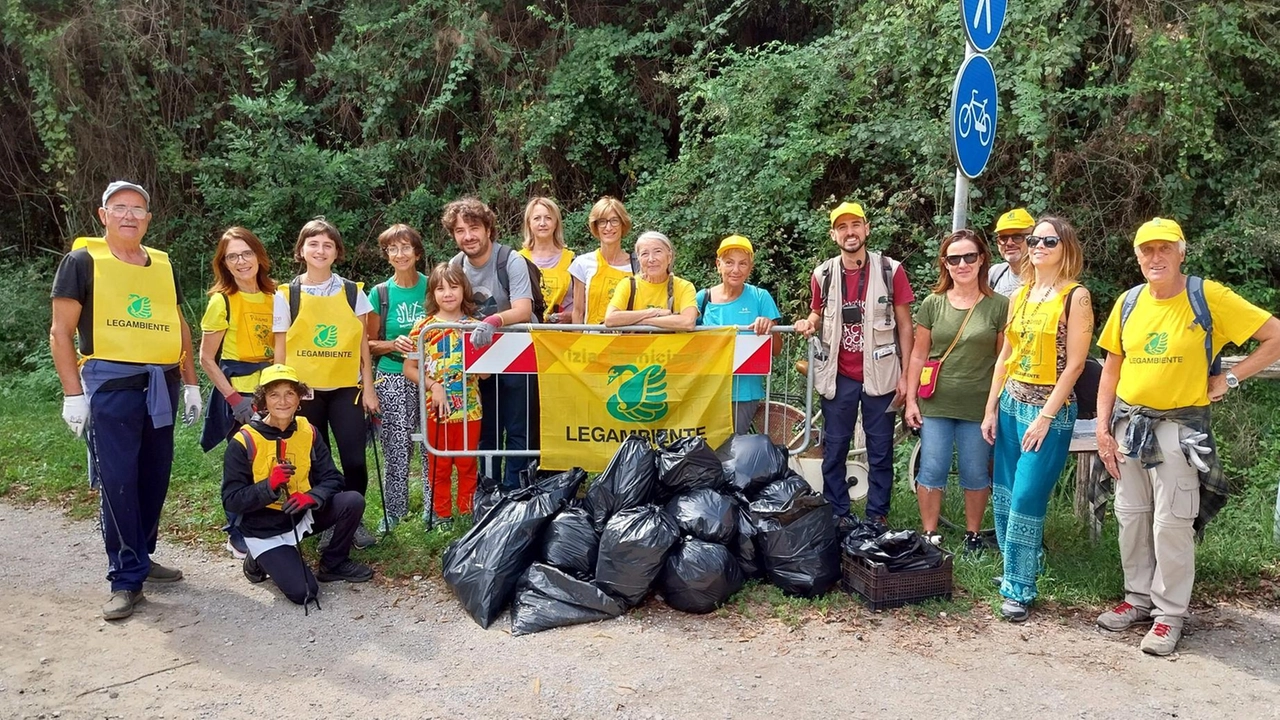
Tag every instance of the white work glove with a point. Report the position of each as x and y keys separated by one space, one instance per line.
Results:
x=1193 y=446
x=483 y=334
x=191 y=404
x=75 y=411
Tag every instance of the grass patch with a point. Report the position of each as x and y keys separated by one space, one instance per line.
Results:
x=44 y=463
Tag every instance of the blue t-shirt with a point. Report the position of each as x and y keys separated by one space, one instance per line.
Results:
x=753 y=303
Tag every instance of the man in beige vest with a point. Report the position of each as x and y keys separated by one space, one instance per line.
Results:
x=861 y=313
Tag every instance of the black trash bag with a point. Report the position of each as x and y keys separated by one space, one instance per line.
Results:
x=488 y=493
x=571 y=542
x=800 y=546
x=699 y=576
x=686 y=464
x=628 y=481
x=632 y=548
x=744 y=548
x=898 y=551
x=548 y=598
x=752 y=461
x=482 y=566
x=777 y=494
x=706 y=515
x=562 y=485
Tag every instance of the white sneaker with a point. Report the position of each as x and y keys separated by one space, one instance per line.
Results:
x=1122 y=617
x=1161 y=639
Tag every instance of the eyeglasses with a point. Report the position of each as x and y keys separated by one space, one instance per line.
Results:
x=1050 y=241
x=609 y=222
x=120 y=211
x=245 y=256
x=970 y=258
x=400 y=250
x=1011 y=239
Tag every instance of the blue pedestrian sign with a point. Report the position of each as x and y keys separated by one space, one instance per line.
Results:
x=983 y=20
x=973 y=115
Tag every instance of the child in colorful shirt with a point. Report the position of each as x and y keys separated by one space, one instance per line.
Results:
x=453 y=412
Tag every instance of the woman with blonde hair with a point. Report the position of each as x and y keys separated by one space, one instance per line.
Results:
x=544 y=246
x=595 y=275
x=1030 y=411
x=237 y=342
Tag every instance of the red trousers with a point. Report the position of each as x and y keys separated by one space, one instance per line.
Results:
x=448 y=436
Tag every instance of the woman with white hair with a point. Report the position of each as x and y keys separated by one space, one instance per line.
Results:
x=654 y=296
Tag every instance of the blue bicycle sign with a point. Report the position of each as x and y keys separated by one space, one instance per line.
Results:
x=973 y=115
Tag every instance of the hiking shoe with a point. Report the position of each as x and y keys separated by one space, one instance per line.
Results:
x=237 y=547
x=349 y=570
x=161 y=574
x=998 y=581
x=1122 y=617
x=1161 y=639
x=253 y=572
x=934 y=538
x=121 y=604
x=973 y=544
x=363 y=539
x=435 y=522
x=1014 y=611
x=387 y=524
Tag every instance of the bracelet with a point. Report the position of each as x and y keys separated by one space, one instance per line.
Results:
x=1047 y=416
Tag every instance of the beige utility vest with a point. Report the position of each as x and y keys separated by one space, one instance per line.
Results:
x=881 y=356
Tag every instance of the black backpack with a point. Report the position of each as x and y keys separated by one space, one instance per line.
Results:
x=295 y=296
x=535 y=279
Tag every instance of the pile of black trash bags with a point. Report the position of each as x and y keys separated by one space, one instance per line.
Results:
x=691 y=523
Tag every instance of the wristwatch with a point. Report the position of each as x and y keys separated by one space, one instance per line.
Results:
x=1233 y=382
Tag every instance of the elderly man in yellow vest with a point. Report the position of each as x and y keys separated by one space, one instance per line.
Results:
x=121 y=301
x=861 y=308
x=1153 y=424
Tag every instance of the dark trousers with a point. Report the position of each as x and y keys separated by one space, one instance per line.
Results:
x=840 y=415
x=285 y=565
x=131 y=461
x=511 y=408
x=340 y=410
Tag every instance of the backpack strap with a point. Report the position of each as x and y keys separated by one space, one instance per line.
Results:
x=886 y=275
x=352 y=291
x=631 y=299
x=295 y=298
x=1126 y=308
x=1203 y=318
x=671 y=292
x=250 y=447
x=1003 y=271
x=384 y=305
x=635 y=264
x=504 y=255
x=704 y=298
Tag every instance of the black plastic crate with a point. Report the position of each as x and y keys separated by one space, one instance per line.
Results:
x=881 y=589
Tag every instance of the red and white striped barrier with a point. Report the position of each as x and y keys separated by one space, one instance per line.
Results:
x=513 y=353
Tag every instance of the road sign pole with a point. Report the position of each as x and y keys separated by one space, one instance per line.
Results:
x=960 y=208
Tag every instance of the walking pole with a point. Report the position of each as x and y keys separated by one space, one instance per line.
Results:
x=374 y=425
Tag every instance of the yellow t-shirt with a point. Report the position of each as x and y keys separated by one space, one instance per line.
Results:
x=654 y=295
x=259 y=330
x=1164 y=364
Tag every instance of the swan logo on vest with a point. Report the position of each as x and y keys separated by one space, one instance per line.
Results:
x=139 y=307
x=641 y=396
x=1157 y=343
x=326 y=336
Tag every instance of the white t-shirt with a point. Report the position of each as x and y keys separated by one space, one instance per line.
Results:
x=280 y=320
x=584 y=267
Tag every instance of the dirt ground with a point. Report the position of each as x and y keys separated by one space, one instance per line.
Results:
x=214 y=646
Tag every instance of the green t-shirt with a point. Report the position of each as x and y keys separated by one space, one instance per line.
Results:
x=965 y=378
x=404 y=308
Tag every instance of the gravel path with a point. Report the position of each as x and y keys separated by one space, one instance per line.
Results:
x=216 y=646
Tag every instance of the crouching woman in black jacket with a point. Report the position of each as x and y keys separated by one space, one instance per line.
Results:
x=280 y=479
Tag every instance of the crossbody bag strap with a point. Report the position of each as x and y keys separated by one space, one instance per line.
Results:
x=956 y=339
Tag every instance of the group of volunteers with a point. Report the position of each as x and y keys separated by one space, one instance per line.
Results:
x=986 y=369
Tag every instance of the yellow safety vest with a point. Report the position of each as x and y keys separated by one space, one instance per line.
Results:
x=252 y=322
x=1033 y=337
x=264 y=454
x=84 y=242
x=135 y=309
x=556 y=281
x=323 y=343
x=600 y=289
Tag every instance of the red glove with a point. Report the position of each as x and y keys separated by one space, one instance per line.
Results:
x=279 y=476
x=299 y=502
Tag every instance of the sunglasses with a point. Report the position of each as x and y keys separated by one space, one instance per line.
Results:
x=967 y=258
x=1011 y=239
x=1050 y=241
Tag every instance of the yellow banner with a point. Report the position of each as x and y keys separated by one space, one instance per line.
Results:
x=597 y=389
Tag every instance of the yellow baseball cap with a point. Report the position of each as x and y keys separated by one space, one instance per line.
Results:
x=847 y=208
x=1158 y=229
x=1015 y=219
x=735 y=242
x=276 y=373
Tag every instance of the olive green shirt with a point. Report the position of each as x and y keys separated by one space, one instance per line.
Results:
x=965 y=378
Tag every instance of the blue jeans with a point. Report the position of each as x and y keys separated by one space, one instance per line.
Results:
x=938 y=437
x=511 y=408
x=1023 y=481
x=840 y=415
x=131 y=461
